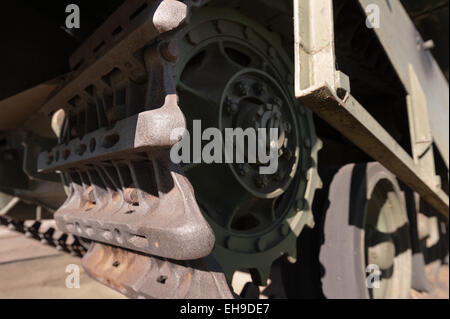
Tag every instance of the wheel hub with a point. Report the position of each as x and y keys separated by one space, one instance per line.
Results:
x=253 y=99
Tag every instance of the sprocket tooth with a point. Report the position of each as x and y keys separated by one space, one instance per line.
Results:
x=256 y=251
x=260 y=275
x=310 y=219
x=292 y=255
x=250 y=291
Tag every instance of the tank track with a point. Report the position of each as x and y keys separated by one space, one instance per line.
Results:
x=150 y=239
x=125 y=195
x=187 y=279
x=50 y=236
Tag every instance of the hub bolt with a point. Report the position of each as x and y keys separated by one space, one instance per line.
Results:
x=260 y=88
x=169 y=51
x=242 y=169
x=276 y=115
x=284 y=229
x=261 y=245
x=277 y=101
x=261 y=181
x=260 y=111
x=278 y=176
x=230 y=106
x=242 y=88
x=308 y=142
x=231 y=109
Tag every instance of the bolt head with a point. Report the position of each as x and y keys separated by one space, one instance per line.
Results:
x=277 y=101
x=308 y=142
x=260 y=111
x=242 y=169
x=89 y=194
x=131 y=196
x=242 y=88
x=261 y=181
x=284 y=229
x=169 y=51
x=260 y=88
x=428 y=45
x=261 y=244
x=229 y=242
x=276 y=115
x=230 y=106
x=278 y=176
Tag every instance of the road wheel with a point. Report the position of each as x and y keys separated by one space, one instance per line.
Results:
x=366 y=234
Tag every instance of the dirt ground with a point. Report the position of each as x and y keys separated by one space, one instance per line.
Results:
x=29 y=269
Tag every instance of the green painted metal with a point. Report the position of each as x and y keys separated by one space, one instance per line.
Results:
x=325 y=90
x=222 y=51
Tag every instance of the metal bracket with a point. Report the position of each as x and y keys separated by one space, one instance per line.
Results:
x=326 y=92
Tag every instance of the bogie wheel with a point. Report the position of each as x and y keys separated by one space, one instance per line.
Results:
x=366 y=249
x=433 y=236
x=233 y=73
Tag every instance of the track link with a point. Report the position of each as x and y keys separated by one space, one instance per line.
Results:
x=46 y=235
x=149 y=237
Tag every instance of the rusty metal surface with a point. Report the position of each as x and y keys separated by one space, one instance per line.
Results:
x=121 y=110
x=156 y=16
x=124 y=190
x=142 y=276
x=148 y=206
x=144 y=132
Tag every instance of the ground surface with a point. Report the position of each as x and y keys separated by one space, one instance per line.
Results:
x=29 y=269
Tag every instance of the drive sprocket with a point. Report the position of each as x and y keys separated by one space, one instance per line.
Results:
x=232 y=72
